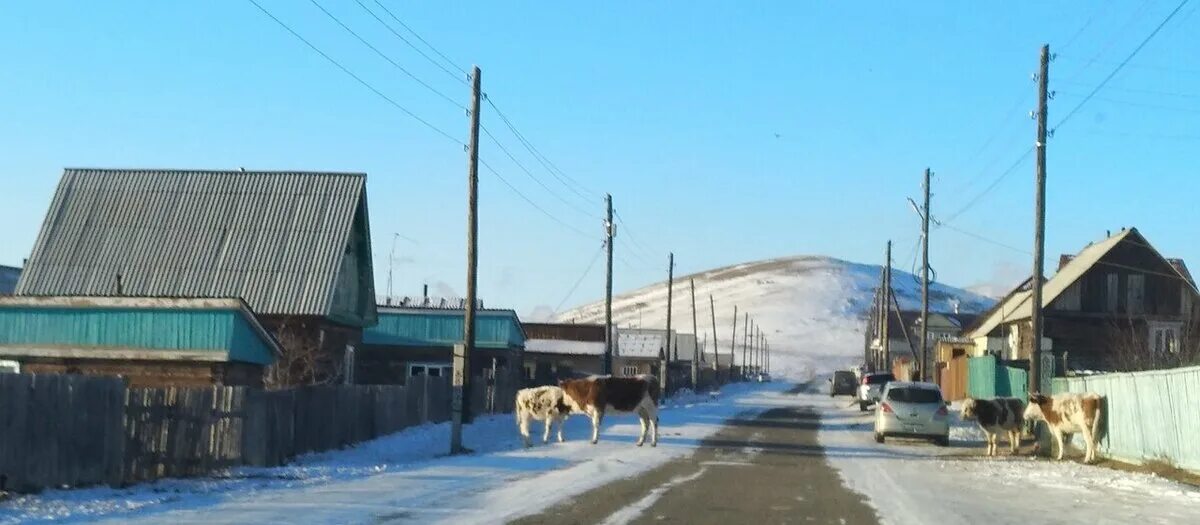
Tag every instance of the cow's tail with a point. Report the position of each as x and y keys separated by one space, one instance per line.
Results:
x=1096 y=425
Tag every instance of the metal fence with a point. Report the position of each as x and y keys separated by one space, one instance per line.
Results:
x=987 y=378
x=1148 y=416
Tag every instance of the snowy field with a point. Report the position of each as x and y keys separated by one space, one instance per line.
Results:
x=912 y=482
x=406 y=477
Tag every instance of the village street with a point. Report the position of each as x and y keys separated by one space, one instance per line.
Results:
x=756 y=453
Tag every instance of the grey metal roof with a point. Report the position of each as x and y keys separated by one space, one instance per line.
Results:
x=274 y=239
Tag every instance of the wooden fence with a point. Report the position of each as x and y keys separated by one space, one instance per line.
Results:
x=64 y=430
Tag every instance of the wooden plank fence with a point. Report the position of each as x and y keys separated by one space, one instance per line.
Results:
x=67 y=430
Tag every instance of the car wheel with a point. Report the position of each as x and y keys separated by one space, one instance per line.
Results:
x=943 y=441
x=878 y=437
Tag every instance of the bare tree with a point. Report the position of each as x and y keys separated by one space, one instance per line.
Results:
x=1130 y=347
x=303 y=361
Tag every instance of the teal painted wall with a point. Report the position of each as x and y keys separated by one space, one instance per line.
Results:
x=1146 y=415
x=150 y=329
x=443 y=329
x=986 y=379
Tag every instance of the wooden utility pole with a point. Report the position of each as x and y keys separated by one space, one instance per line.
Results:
x=733 y=343
x=695 y=342
x=609 y=232
x=924 y=281
x=885 y=333
x=1036 y=369
x=666 y=361
x=712 y=307
x=745 y=345
x=670 y=292
x=460 y=381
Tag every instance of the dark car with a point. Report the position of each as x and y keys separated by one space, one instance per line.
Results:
x=843 y=383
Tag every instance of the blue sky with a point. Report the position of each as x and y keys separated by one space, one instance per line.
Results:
x=726 y=131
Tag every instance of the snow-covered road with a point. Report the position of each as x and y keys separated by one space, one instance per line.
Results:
x=916 y=483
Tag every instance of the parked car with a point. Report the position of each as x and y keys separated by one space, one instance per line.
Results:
x=912 y=410
x=843 y=383
x=872 y=387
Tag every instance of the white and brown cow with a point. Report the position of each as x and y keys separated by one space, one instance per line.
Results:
x=996 y=416
x=596 y=395
x=1068 y=414
x=543 y=403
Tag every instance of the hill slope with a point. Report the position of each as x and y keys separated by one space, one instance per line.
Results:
x=813 y=308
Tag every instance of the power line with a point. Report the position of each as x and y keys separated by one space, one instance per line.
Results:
x=621 y=221
x=530 y=201
x=360 y=80
x=1138 y=90
x=1121 y=65
x=410 y=44
x=1020 y=160
x=1112 y=39
x=423 y=41
x=1139 y=104
x=562 y=177
x=532 y=176
x=985 y=239
x=387 y=58
x=579 y=281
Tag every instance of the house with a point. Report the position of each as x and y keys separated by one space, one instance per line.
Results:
x=556 y=351
x=1115 y=304
x=295 y=246
x=641 y=350
x=413 y=339
x=904 y=333
x=150 y=341
x=8 y=279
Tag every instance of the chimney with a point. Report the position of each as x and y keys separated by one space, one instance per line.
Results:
x=425 y=292
x=1108 y=233
x=119 y=291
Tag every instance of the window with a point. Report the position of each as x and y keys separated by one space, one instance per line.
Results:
x=1114 y=292
x=429 y=369
x=1164 y=337
x=630 y=370
x=914 y=395
x=1136 y=294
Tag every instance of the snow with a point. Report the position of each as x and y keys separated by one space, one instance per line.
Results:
x=912 y=482
x=563 y=346
x=405 y=476
x=812 y=308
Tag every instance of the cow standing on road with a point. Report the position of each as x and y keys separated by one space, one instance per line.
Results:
x=1067 y=414
x=994 y=416
x=545 y=403
x=596 y=395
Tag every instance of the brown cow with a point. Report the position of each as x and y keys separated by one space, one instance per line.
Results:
x=596 y=395
x=1067 y=414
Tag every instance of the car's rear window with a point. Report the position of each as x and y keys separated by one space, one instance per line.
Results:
x=843 y=376
x=914 y=395
x=880 y=379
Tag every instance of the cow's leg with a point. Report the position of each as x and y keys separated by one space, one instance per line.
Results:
x=597 y=420
x=561 y=421
x=1014 y=441
x=546 y=433
x=644 y=420
x=523 y=426
x=1058 y=440
x=1090 y=454
x=652 y=415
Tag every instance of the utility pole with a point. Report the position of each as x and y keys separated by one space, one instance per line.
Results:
x=460 y=400
x=695 y=342
x=885 y=333
x=751 y=346
x=666 y=359
x=670 y=289
x=733 y=344
x=759 y=349
x=924 y=280
x=1037 y=374
x=609 y=232
x=713 y=309
x=745 y=345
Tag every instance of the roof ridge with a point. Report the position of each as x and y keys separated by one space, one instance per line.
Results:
x=214 y=171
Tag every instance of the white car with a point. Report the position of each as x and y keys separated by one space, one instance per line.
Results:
x=872 y=387
x=912 y=410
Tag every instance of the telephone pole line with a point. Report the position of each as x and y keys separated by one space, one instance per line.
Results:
x=460 y=381
x=1037 y=374
x=924 y=280
x=745 y=345
x=885 y=297
x=712 y=307
x=609 y=232
x=695 y=342
x=733 y=344
x=666 y=361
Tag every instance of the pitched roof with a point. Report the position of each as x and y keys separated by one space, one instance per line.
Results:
x=1016 y=306
x=275 y=239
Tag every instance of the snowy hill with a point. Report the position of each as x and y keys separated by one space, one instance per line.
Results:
x=813 y=308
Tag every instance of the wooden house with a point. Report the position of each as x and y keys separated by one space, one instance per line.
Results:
x=150 y=341
x=1118 y=301
x=419 y=340
x=556 y=351
x=295 y=246
x=640 y=350
x=8 y=279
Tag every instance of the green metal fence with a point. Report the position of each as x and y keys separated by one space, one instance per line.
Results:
x=1147 y=415
x=986 y=379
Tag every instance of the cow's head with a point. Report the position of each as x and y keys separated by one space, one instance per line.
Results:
x=968 y=408
x=1033 y=411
